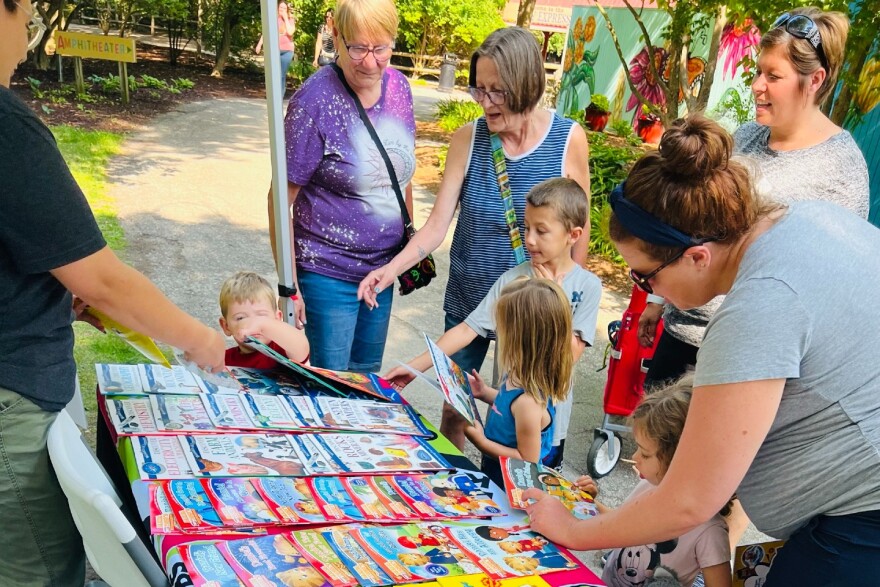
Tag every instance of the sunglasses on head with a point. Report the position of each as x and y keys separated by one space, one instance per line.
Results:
x=802 y=26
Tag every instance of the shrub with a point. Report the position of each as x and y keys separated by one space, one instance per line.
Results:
x=452 y=114
x=600 y=102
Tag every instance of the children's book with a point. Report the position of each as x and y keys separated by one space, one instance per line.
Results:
x=406 y=553
x=145 y=378
x=237 y=503
x=751 y=562
x=366 y=416
x=484 y=580
x=139 y=342
x=333 y=499
x=454 y=384
x=191 y=507
x=439 y=496
x=270 y=411
x=270 y=561
x=131 y=416
x=341 y=383
x=242 y=455
x=370 y=502
x=303 y=409
x=206 y=565
x=379 y=453
x=161 y=457
x=119 y=379
x=162 y=519
x=316 y=456
x=180 y=413
x=391 y=498
x=291 y=500
x=267 y=382
x=582 y=577
x=220 y=382
x=509 y=552
x=227 y=411
x=521 y=475
x=312 y=545
x=358 y=562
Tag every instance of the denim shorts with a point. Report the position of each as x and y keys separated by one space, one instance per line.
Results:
x=344 y=333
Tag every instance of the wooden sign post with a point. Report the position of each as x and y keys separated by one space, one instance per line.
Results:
x=79 y=45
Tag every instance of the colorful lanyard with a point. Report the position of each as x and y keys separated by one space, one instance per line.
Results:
x=507 y=199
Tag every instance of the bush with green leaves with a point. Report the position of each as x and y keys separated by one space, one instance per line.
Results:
x=600 y=102
x=452 y=114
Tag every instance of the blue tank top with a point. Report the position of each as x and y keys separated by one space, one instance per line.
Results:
x=501 y=427
x=481 y=249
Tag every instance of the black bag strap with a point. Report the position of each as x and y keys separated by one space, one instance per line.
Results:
x=404 y=213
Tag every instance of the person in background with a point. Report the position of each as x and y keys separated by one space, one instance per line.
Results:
x=556 y=211
x=325 y=48
x=249 y=307
x=286 y=28
x=507 y=79
x=51 y=250
x=786 y=380
x=346 y=217
x=533 y=322
x=798 y=153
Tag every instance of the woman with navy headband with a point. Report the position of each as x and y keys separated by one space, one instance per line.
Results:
x=786 y=402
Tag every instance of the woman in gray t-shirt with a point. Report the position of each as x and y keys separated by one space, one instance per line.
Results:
x=786 y=402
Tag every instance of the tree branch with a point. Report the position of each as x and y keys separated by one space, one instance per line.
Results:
x=649 y=46
x=711 y=60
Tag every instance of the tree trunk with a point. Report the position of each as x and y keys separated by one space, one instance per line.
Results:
x=856 y=64
x=524 y=13
x=711 y=60
x=225 y=42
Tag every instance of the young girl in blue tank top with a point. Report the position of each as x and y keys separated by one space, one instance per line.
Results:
x=533 y=330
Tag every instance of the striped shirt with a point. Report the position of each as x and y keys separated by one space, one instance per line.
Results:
x=481 y=249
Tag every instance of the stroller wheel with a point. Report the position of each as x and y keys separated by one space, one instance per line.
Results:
x=604 y=454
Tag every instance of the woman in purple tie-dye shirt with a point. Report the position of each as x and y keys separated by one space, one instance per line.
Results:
x=346 y=217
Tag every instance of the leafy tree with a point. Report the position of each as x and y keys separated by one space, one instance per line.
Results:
x=524 y=13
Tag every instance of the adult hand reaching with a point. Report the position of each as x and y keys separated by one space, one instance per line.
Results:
x=375 y=283
x=549 y=517
x=210 y=353
x=648 y=323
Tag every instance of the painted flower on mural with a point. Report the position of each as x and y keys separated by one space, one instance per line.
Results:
x=643 y=78
x=590 y=29
x=578 y=29
x=569 y=60
x=579 y=51
x=737 y=42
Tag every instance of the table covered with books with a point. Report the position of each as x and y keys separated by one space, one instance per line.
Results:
x=311 y=478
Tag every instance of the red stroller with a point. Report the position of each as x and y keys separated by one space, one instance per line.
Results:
x=624 y=387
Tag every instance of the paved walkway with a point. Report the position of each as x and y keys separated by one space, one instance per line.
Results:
x=191 y=195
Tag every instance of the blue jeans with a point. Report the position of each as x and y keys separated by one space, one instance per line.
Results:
x=286 y=60
x=470 y=357
x=830 y=551
x=344 y=334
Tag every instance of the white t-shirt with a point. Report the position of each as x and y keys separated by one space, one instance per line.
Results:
x=706 y=545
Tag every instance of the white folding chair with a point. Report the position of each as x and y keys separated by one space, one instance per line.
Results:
x=111 y=543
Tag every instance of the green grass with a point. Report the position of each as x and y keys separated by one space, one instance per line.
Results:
x=88 y=153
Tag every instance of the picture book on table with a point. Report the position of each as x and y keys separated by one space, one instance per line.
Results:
x=341 y=383
x=206 y=565
x=376 y=453
x=242 y=455
x=161 y=457
x=579 y=577
x=323 y=557
x=440 y=496
x=238 y=503
x=131 y=416
x=291 y=500
x=752 y=562
x=333 y=499
x=180 y=413
x=373 y=504
x=162 y=520
x=484 y=580
x=521 y=475
x=509 y=552
x=227 y=411
x=145 y=378
x=267 y=381
x=270 y=411
x=270 y=561
x=407 y=553
x=366 y=416
x=220 y=382
x=454 y=384
x=359 y=563
x=391 y=498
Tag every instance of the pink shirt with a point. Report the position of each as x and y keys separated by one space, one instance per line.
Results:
x=285 y=43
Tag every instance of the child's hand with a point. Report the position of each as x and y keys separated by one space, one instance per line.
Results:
x=478 y=386
x=542 y=272
x=399 y=377
x=586 y=484
x=475 y=434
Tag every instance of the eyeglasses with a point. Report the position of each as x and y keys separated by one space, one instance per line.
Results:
x=35 y=27
x=643 y=281
x=358 y=53
x=802 y=26
x=496 y=97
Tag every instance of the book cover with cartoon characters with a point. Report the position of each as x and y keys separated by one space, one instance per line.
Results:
x=454 y=384
x=206 y=565
x=381 y=453
x=162 y=520
x=371 y=503
x=131 y=416
x=193 y=510
x=181 y=413
x=358 y=562
x=333 y=499
x=312 y=545
x=391 y=498
x=237 y=502
x=419 y=496
x=509 y=552
x=458 y=495
x=242 y=455
x=520 y=475
x=751 y=562
x=290 y=499
x=160 y=457
x=484 y=580
x=270 y=561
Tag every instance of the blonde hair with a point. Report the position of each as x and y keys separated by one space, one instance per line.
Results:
x=517 y=56
x=372 y=18
x=565 y=197
x=246 y=286
x=533 y=324
x=692 y=183
x=833 y=29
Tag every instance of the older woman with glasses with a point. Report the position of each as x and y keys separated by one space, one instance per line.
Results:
x=346 y=215
x=786 y=402
x=507 y=79
x=50 y=248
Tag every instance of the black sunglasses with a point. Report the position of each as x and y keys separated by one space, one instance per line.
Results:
x=803 y=27
x=643 y=280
